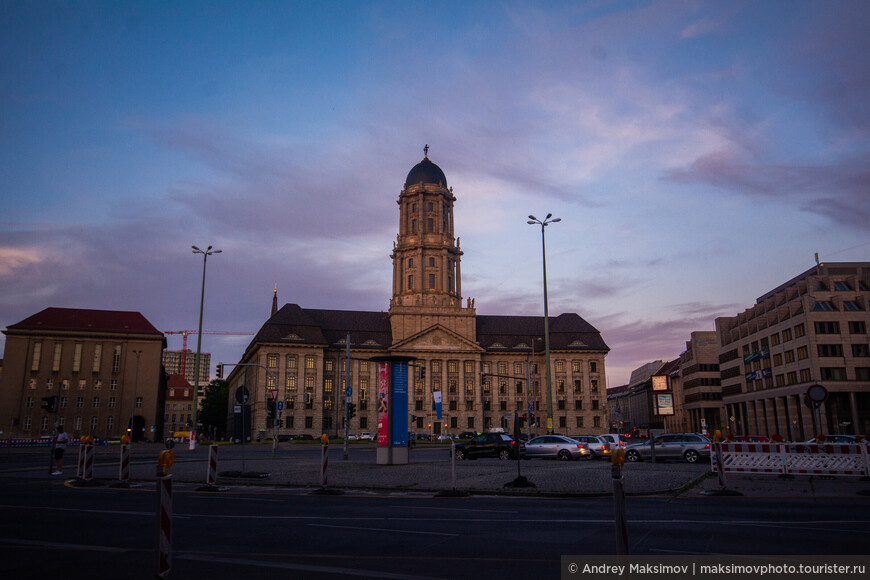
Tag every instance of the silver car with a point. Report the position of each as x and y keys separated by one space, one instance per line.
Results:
x=597 y=446
x=689 y=447
x=555 y=447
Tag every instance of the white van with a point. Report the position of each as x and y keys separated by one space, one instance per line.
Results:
x=613 y=439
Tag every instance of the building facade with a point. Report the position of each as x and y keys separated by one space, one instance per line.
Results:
x=101 y=367
x=485 y=369
x=700 y=388
x=183 y=362
x=178 y=409
x=810 y=330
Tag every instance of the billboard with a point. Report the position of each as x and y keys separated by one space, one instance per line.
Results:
x=660 y=383
x=664 y=404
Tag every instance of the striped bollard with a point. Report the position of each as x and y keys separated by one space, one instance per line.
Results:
x=124 y=471
x=88 y=473
x=324 y=459
x=163 y=543
x=80 y=466
x=211 y=474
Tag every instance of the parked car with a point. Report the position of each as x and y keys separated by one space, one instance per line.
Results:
x=467 y=434
x=555 y=447
x=444 y=437
x=489 y=445
x=690 y=447
x=614 y=439
x=305 y=437
x=352 y=437
x=424 y=437
x=751 y=439
x=597 y=446
x=366 y=436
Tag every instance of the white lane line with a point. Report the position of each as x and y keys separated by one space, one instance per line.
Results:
x=309 y=568
x=60 y=545
x=384 y=530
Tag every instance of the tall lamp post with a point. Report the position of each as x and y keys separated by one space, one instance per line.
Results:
x=205 y=254
x=544 y=223
x=137 y=352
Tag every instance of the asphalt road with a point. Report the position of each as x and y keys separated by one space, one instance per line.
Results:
x=49 y=529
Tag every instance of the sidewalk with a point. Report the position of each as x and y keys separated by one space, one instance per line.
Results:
x=484 y=476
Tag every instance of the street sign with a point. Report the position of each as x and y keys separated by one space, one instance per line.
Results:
x=348 y=391
x=817 y=394
x=242 y=395
x=280 y=405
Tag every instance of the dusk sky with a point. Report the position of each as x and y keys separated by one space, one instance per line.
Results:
x=698 y=154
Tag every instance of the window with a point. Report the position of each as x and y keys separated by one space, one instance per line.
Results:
x=596 y=422
x=851 y=306
x=49 y=384
x=578 y=386
x=841 y=285
x=80 y=402
x=469 y=367
x=327 y=386
x=803 y=352
x=413 y=226
x=563 y=422
x=291 y=361
x=310 y=362
x=593 y=366
x=116 y=359
x=833 y=373
x=575 y=366
x=774 y=339
x=77 y=358
x=594 y=404
x=431 y=281
x=58 y=351
x=579 y=421
x=110 y=423
x=98 y=356
x=560 y=366
x=430 y=225
x=789 y=356
x=823 y=327
x=560 y=404
x=469 y=386
x=578 y=405
x=37 y=354
x=857 y=327
x=113 y=384
x=93 y=423
x=823 y=306
x=860 y=350
x=111 y=402
x=452 y=366
x=272 y=361
x=830 y=349
x=32 y=384
x=470 y=423
x=777 y=359
x=862 y=373
x=786 y=335
x=309 y=422
x=560 y=386
x=806 y=375
x=329 y=365
x=138 y=404
x=96 y=402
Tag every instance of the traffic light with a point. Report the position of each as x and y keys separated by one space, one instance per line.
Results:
x=48 y=403
x=422 y=373
x=482 y=380
x=270 y=408
x=280 y=423
x=351 y=411
x=219 y=370
x=532 y=419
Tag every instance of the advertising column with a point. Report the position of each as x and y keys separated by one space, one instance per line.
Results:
x=392 y=409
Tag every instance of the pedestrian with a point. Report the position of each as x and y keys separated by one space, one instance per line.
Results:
x=59 y=447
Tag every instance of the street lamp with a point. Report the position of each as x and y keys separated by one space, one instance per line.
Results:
x=205 y=254
x=135 y=392
x=546 y=221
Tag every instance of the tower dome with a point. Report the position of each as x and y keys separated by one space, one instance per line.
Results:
x=426 y=172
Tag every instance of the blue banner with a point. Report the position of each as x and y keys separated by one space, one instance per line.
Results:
x=399 y=404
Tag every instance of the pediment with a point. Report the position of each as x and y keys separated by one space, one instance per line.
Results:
x=436 y=338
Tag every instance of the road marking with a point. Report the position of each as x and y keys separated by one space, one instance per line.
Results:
x=60 y=545
x=384 y=530
x=309 y=568
x=454 y=509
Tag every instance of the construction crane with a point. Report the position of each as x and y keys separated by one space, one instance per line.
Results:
x=185 y=333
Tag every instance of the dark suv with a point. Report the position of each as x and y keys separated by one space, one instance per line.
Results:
x=489 y=445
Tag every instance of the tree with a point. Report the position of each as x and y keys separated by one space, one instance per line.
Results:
x=214 y=408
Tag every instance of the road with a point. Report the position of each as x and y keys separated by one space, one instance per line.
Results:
x=51 y=530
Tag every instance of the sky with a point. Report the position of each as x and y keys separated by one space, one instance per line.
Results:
x=698 y=154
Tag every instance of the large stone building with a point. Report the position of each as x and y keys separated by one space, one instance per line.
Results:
x=485 y=368
x=810 y=330
x=101 y=366
x=183 y=362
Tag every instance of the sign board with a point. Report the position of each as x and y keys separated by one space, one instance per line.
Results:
x=660 y=383
x=280 y=405
x=383 y=407
x=664 y=404
x=817 y=394
x=242 y=395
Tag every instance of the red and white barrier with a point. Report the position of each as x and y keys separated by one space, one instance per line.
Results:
x=124 y=470
x=164 y=526
x=86 y=463
x=324 y=461
x=794 y=459
x=211 y=474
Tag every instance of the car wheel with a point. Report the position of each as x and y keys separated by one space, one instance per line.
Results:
x=504 y=454
x=460 y=454
x=692 y=456
x=591 y=456
x=632 y=455
x=564 y=455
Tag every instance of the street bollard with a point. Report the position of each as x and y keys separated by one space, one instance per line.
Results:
x=124 y=470
x=617 y=461
x=163 y=540
x=211 y=475
x=324 y=459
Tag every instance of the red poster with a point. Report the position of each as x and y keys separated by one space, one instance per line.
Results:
x=383 y=406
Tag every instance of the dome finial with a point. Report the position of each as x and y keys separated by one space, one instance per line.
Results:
x=426 y=151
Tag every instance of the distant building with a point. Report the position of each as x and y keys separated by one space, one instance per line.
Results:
x=179 y=405
x=810 y=330
x=699 y=403
x=176 y=360
x=477 y=364
x=102 y=366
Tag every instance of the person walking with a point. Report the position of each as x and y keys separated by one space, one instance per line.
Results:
x=59 y=447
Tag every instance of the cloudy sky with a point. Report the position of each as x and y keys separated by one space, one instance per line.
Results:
x=698 y=153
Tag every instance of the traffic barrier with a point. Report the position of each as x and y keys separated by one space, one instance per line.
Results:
x=124 y=471
x=88 y=467
x=795 y=459
x=163 y=543
x=80 y=464
x=324 y=460
x=211 y=474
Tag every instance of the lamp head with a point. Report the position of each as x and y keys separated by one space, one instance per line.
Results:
x=549 y=215
x=556 y=220
x=531 y=222
x=531 y=217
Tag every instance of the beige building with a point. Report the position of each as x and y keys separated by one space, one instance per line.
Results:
x=810 y=330
x=178 y=410
x=101 y=366
x=485 y=368
x=700 y=392
x=183 y=362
